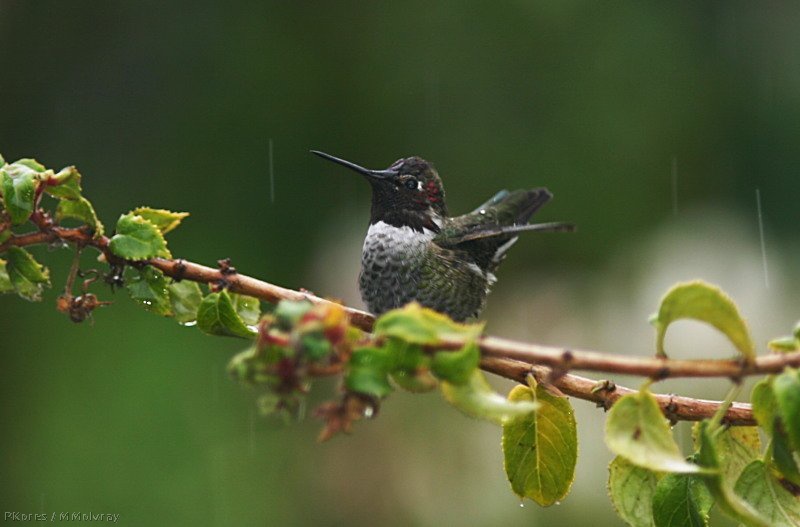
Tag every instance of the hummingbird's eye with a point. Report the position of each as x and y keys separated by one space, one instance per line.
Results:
x=411 y=183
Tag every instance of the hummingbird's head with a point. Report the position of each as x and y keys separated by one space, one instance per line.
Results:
x=408 y=193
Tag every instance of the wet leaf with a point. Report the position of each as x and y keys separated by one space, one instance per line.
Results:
x=18 y=186
x=368 y=372
x=164 y=220
x=5 y=281
x=707 y=303
x=137 y=239
x=681 y=500
x=477 y=399
x=184 y=298
x=786 y=388
x=65 y=184
x=217 y=316
x=81 y=210
x=28 y=276
x=631 y=489
x=412 y=368
x=247 y=307
x=759 y=488
x=420 y=325
x=541 y=447
x=638 y=431
x=456 y=366
x=148 y=288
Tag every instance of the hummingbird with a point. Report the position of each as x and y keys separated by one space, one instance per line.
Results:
x=415 y=251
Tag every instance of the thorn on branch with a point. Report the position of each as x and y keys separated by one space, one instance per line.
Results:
x=226 y=270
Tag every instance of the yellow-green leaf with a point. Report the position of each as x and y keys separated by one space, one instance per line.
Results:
x=726 y=499
x=420 y=325
x=707 y=303
x=80 y=209
x=637 y=430
x=736 y=447
x=631 y=489
x=759 y=488
x=137 y=239
x=541 y=448
x=165 y=220
x=476 y=399
x=786 y=388
x=764 y=404
x=66 y=184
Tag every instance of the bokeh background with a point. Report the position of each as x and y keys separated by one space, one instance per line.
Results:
x=653 y=124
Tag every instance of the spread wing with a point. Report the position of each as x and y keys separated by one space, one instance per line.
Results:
x=489 y=231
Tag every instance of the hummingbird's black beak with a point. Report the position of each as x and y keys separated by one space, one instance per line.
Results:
x=375 y=174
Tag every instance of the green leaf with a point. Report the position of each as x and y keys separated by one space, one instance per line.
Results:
x=477 y=399
x=707 y=303
x=681 y=500
x=367 y=372
x=764 y=405
x=149 y=289
x=137 y=239
x=2 y=161
x=631 y=489
x=784 y=344
x=758 y=487
x=28 y=276
x=786 y=461
x=637 y=430
x=726 y=499
x=420 y=325
x=5 y=281
x=736 y=447
x=412 y=366
x=66 y=184
x=165 y=220
x=217 y=316
x=247 y=307
x=456 y=366
x=184 y=298
x=18 y=185
x=80 y=209
x=6 y=234
x=541 y=447
x=289 y=312
x=786 y=388
x=31 y=164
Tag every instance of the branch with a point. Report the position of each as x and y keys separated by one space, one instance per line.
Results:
x=510 y=359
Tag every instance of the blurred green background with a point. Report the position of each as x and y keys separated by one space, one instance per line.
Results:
x=653 y=124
